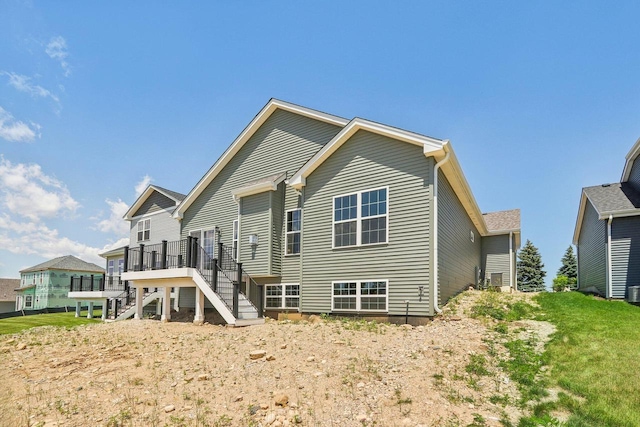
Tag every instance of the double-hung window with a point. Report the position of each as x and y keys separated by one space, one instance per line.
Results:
x=120 y=265
x=110 y=268
x=294 y=229
x=360 y=218
x=282 y=296
x=144 y=230
x=370 y=295
x=28 y=301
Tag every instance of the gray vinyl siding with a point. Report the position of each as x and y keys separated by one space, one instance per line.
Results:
x=592 y=252
x=255 y=212
x=277 y=214
x=625 y=255
x=163 y=227
x=495 y=257
x=368 y=161
x=290 y=263
x=154 y=203
x=634 y=175
x=458 y=256
x=282 y=144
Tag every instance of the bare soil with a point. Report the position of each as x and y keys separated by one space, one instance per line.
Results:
x=313 y=373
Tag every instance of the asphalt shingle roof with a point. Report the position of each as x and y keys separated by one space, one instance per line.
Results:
x=177 y=196
x=613 y=198
x=502 y=220
x=7 y=287
x=68 y=262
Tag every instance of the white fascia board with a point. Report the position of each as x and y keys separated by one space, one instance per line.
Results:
x=139 y=201
x=620 y=214
x=581 y=211
x=460 y=185
x=257 y=188
x=631 y=157
x=143 y=198
x=238 y=143
x=298 y=180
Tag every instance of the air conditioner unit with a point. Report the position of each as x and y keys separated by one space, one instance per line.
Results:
x=634 y=294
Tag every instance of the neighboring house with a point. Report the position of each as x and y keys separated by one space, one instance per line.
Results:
x=8 y=295
x=328 y=215
x=151 y=222
x=46 y=285
x=607 y=233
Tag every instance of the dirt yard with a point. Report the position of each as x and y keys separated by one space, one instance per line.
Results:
x=316 y=373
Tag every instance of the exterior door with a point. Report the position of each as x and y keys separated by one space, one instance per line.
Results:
x=207 y=241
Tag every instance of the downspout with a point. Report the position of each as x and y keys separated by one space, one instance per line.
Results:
x=435 y=229
x=511 y=275
x=609 y=272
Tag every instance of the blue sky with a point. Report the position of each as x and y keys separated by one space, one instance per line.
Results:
x=99 y=98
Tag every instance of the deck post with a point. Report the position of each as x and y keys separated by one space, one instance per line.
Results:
x=78 y=308
x=126 y=259
x=260 y=301
x=198 y=319
x=71 y=284
x=90 y=312
x=91 y=283
x=141 y=259
x=215 y=275
x=105 y=309
x=166 y=304
x=104 y=276
x=81 y=288
x=163 y=254
x=194 y=254
x=139 y=298
x=189 y=249
x=154 y=254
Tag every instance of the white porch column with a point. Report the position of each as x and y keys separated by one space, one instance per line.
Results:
x=105 y=308
x=198 y=319
x=78 y=308
x=159 y=307
x=90 y=312
x=139 y=297
x=176 y=299
x=166 y=304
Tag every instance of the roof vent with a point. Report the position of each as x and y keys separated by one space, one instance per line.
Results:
x=606 y=185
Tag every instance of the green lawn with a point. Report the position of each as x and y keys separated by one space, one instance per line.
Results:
x=17 y=324
x=595 y=357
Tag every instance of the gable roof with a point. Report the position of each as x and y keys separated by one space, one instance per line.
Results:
x=616 y=200
x=502 y=221
x=7 y=289
x=67 y=262
x=266 y=112
x=631 y=157
x=430 y=147
x=173 y=195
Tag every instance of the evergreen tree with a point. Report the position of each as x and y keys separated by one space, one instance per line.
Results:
x=530 y=273
x=569 y=264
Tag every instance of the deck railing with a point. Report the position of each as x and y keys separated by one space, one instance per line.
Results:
x=223 y=274
x=96 y=282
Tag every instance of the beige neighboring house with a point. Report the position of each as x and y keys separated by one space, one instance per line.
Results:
x=8 y=294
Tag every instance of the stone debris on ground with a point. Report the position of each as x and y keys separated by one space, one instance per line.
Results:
x=310 y=373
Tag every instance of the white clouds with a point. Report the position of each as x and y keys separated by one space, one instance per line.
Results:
x=57 y=50
x=28 y=192
x=24 y=84
x=115 y=223
x=142 y=185
x=16 y=131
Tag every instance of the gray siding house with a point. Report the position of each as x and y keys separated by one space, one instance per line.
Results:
x=607 y=233
x=307 y=212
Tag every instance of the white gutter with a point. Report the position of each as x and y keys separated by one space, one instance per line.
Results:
x=435 y=229
x=609 y=272
x=512 y=276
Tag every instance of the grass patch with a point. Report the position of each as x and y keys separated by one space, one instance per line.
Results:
x=65 y=320
x=595 y=358
x=498 y=306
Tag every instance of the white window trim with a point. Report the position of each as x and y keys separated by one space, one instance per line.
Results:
x=138 y=231
x=358 y=296
x=110 y=267
x=286 y=216
x=282 y=297
x=358 y=219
